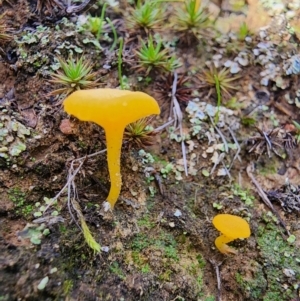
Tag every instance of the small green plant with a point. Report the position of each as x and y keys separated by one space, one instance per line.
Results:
x=248 y=121
x=192 y=17
x=40 y=208
x=139 y=134
x=95 y=24
x=146 y=15
x=166 y=170
x=244 y=195
x=120 y=61
x=152 y=56
x=217 y=206
x=243 y=31
x=4 y=35
x=75 y=75
x=219 y=79
x=35 y=233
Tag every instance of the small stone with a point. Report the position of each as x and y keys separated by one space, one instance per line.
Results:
x=263 y=45
x=265 y=81
x=256 y=51
x=66 y=127
x=278 y=8
x=221 y=172
x=289 y=272
x=210 y=150
x=177 y=213
x=43 y=283
x=243 y=61
x=217 y=57
x=290 y=14
x=235 y=68
x=228 y=63
x=105 y=249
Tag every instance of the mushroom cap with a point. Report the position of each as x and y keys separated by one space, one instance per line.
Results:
x=232 y=226
x=110 y=107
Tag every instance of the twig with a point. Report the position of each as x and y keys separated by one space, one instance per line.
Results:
x=264 y=197
x=178 y=120
x=216 y=266
x=219 y=160
x=71 y=175
x=221 y=135
x=237 y=145
x=160 y=128
x=83 y=7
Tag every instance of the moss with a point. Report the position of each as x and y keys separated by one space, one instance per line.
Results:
x=18 y=197
x=268 y=281
x=67 y=287
x=114 y=268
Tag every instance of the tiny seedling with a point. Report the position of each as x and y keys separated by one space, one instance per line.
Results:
x=152 y=56
x=139 y=133
x=94 y=25
x=192 y=17
x=243 y=31
x=146 y=158
x=217 y=206
x=34 y=232
x=75 y=75
x=147 y=15
x=219 y=79
x=40 y=208
x=244 y=195
x=166 y=170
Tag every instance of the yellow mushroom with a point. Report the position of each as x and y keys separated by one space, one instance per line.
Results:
x=231 y=227
x=113 y=110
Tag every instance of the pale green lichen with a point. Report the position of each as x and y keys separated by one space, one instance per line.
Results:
x=13 y=136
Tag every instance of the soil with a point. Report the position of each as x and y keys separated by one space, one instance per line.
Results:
x=159 y=236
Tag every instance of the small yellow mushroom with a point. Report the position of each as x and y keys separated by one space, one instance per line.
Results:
x=231 y=227
x=113 y=110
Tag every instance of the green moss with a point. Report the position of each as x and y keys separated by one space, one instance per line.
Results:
x=145 y=222
x=269 y=281
x=67 y=287
x=244 y=195
x=114 y=268
x=18 y=197
x=201 y=261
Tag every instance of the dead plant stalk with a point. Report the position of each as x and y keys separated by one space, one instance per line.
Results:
x=177 y=115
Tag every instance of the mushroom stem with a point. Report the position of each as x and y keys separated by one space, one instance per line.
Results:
x=221 y=244
x=114 y=138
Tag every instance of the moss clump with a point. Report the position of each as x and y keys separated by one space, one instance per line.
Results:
x=277 y=276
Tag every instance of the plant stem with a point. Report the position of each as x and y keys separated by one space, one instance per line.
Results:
x=114 y=33
x=101 y=21
x=120 y=63
x=217 y=82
